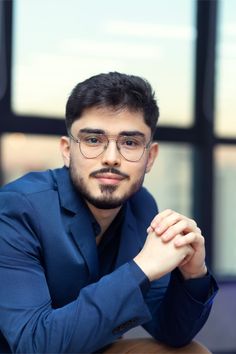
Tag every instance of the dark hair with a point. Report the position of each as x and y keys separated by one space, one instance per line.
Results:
x=113 y=90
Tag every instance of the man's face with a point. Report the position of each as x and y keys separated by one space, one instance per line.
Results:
x=109 y=179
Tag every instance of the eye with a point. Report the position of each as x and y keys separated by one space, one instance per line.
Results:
x=93 y=139
x=130 y=142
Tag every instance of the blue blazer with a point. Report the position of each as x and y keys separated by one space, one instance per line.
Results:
x=51 y=297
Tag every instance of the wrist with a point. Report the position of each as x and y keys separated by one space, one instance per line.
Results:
x=143 y=266
x=199 y=274
x=147 y=267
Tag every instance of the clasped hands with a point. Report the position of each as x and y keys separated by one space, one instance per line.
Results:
x=173 y=240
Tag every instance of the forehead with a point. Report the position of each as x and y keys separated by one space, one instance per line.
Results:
x=111 y=121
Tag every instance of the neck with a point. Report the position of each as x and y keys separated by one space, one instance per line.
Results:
x=103 y=216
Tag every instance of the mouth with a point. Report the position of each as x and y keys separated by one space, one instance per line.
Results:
x=109 y=178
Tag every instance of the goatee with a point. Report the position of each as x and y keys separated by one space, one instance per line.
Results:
x=107 y=200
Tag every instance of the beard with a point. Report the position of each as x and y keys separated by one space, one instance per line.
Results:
x=107 y=200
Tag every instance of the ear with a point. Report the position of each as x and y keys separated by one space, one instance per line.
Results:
x=152 y=155
x=65 y=150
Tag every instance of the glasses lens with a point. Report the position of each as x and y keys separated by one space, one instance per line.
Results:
x=131 y=147
x=92 y=145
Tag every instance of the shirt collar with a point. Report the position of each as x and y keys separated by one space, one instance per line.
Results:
x=113 y=226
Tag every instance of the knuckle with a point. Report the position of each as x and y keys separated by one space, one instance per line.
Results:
x=177 y=215
x=193 y=222
x=202 y=239
x=199 y=238
x=184 y=223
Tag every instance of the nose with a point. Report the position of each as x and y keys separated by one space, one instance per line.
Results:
x=111 y=155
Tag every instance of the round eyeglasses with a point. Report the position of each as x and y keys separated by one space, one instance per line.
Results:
x=93 y=145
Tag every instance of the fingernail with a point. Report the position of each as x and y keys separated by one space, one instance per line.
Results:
x=158 y=229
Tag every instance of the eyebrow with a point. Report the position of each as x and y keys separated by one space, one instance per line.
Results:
x=122 y=133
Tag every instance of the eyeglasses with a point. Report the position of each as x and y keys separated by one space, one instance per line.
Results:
x=93 y=145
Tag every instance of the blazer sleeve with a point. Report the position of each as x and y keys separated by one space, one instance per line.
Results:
x=102 y=312
x=181 y=309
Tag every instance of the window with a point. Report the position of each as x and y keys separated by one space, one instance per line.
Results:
x=226 y=70
x=225 y=220
x=56 y=45
x=224 y=250
x=170 y=180
x=23 y=153
x=55 y=51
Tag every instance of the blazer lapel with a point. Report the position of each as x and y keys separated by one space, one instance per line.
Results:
x=130 y=241
x=83 y=236
x=80 y=225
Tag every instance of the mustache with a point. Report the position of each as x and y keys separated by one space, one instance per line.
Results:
x=109 y=170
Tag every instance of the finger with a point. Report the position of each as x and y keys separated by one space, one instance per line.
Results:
x=189 y=252
x=186 y=259
x=159 y=217
x=183 y=226
x=149 y=229
x=168 y=221
x=192 y=238
x=172 y=219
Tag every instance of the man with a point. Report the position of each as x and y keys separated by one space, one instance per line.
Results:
x=85 y=256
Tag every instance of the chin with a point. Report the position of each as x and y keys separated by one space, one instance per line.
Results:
x=105 y=204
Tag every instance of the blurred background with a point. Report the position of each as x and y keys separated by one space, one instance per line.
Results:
x=187 y=50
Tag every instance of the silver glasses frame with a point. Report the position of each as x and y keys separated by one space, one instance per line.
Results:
x=109 y=137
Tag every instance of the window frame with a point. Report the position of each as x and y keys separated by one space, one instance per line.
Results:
x=200 y=135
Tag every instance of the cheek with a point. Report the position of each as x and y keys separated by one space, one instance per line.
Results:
x=137 y=172
x=82 y=166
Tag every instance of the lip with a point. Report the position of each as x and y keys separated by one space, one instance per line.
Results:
x=109 y=178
